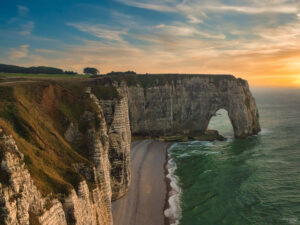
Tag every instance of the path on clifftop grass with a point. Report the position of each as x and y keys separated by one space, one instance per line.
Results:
x=144 y=203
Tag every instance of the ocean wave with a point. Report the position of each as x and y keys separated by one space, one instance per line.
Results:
x=196 y=152
x=202 y=152
x=173 y=213
x=183 y=155
x=202 y=143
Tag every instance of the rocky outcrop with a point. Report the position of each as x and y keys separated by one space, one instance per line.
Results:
x=184 y=104
x=85 y=207
x=89 y=203
x=117 y=119
x=20 y=201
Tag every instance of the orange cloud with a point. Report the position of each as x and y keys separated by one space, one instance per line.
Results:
x=272 y=58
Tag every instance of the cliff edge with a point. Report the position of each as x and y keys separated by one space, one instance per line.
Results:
x=55 y=152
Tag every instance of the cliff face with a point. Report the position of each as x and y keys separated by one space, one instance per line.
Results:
x=185 y=104
x=116 y=113
x=22 y=203
x=75 y=183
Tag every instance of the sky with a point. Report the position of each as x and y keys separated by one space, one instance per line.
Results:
x=258 y=40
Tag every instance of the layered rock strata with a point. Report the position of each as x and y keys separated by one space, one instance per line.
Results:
x=22 y=203
x=20 y=200
x=117 y=119
x=186 y=103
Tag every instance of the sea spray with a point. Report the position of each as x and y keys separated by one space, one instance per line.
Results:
x=173 y=213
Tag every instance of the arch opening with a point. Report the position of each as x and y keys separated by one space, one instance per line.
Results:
x=222 y=123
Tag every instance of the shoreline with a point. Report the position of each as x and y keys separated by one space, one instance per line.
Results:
x=173 y=192
x=168 y=183
x=147 y=196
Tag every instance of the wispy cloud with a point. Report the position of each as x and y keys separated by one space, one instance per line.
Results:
x=22 y=10
x=193 y=19
x=182 y=55
x=27 y=28
x=251 y=6
x=247 y=7
x=187 y=31
x=18 y=53
x=20 y=23
x=99 y=31
x=163 y=7
x=177 y=30
x=253 y=10
x=192 y=8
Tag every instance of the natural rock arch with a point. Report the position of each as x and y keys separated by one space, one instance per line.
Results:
x=221 y=123
x=242 y=112
x=186 y=103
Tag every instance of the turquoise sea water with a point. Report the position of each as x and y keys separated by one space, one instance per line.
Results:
x=241 y=182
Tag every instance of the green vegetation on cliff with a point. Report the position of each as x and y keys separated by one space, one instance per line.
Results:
x=4 y=68
x=145 y=80
x=37 y=115
x=31 y=75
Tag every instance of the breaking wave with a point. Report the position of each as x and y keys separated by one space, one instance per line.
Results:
x=173 y=213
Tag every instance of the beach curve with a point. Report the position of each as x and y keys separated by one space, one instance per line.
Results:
x=145 y=202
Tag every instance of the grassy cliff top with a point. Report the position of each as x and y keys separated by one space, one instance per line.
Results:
x=28 y=75
x=37 y=114
x=152 y=80
x=102 y=83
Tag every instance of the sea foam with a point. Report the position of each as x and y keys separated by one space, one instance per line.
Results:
x=173 y=213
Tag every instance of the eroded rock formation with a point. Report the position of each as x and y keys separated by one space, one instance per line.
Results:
x=116 y=113
x=22 y=203
x=20 y=200
x=184 y=104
